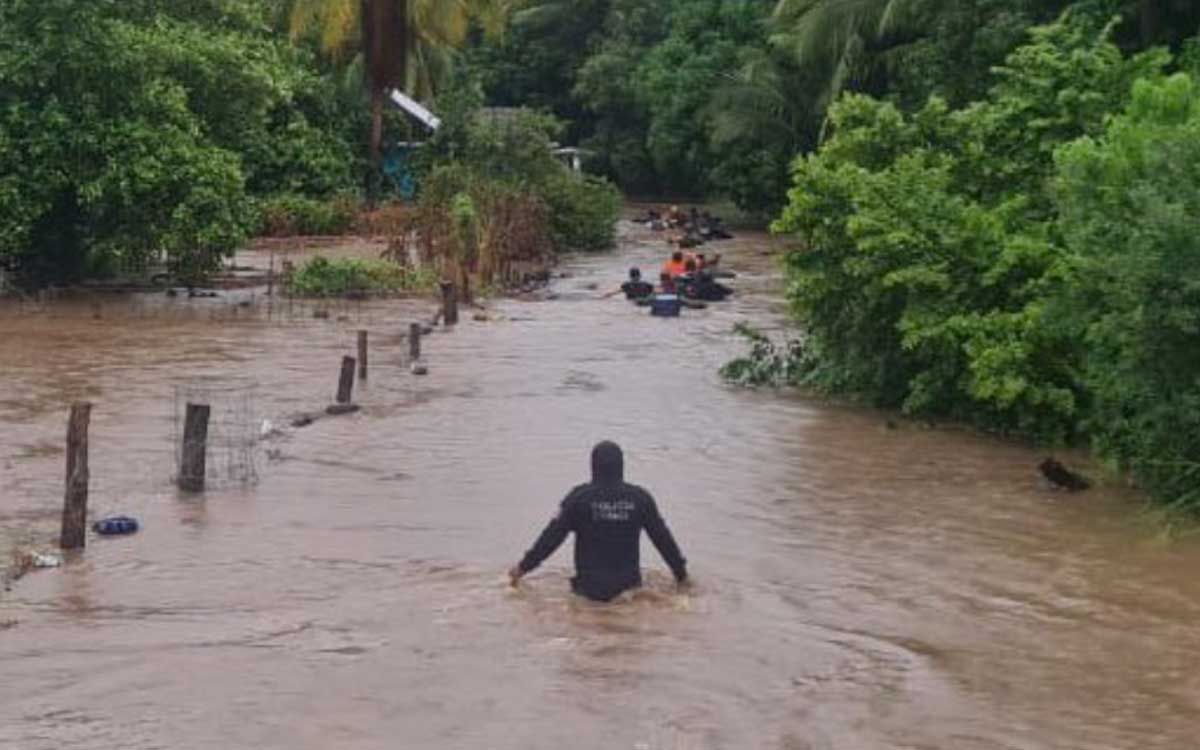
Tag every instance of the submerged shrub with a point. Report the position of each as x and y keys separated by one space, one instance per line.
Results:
x=583 y=212
x=767 y=363
x=322 y=277
x=1027 y=263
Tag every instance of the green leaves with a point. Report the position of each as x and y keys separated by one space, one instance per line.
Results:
x=1130 y=211
x=133 y=133
x=321 y=277
x=498 y=176
x=927 y=267
x=1028 y=263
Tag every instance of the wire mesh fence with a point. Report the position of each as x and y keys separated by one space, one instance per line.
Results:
x=231 y=443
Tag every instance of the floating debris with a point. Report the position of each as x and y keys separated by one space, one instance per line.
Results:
x=45 y=559
x=116 y=526
x=1061 y=477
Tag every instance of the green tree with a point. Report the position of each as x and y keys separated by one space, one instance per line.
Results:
x=838 y=37
x=1130 y=213
x=929 y=264
x=609 y=86
x=536 y=62
x=760 y=115
x=105 y=164
x=402 y=43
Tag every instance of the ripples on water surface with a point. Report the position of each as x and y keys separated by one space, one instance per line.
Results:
x=857 y=587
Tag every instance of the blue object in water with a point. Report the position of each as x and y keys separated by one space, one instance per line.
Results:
x=666 y=306
x=115 y=526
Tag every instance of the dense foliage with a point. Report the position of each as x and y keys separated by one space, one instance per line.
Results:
x=139 y=132
x=639 y=81
x=1026 y=262
x=712 y=98
x=495 y=197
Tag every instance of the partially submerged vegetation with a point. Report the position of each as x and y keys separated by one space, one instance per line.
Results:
x=767 y=363
x=1026 y=263
x=140 y=133
x=339 y=277
x=158 y=137
x=496 y=202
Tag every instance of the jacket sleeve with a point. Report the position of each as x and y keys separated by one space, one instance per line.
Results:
x=663 y=540
x=551 y=537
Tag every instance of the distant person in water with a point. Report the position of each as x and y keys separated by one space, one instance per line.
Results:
x=666 y=284
x=608 y=517
x=698 y=284
x=636 y=288
x=674 y=217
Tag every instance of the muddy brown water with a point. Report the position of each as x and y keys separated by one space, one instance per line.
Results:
x=856 y=587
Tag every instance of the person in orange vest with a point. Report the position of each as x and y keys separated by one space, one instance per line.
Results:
x=675 y=266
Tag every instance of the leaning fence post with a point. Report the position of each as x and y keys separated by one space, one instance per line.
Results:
x=449 y=304
x=74 y=517
x=193 y=455
x=362 y=354
x=414 y=341
x=345 y=391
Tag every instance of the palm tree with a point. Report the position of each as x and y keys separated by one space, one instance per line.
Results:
x=767 y=98
x=834 y=35
x=402 y=43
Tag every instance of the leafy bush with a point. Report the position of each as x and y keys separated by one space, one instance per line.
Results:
x=292 y=215
x=493 y=192
x=134 y=133
x=105 y=164
x=929 y=268
x=1130 y=212
x=583 y=211
x=766 y=364
x=1027 y=263
x=321 y=277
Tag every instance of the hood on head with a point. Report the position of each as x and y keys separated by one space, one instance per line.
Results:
x=608 y=465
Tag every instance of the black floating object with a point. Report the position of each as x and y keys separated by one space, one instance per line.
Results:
x=1062 y=477
x=337 y=410
x=303 y=420
x=115 y=526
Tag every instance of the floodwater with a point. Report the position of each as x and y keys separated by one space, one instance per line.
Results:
x=857 y=587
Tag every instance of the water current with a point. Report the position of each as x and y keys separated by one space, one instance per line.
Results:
x=857 y=587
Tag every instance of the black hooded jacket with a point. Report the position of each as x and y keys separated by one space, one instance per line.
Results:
x=607 y=516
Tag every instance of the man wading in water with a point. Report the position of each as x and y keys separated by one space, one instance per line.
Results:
x=607 y=516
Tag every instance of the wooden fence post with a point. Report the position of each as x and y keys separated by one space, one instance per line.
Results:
x=345 y=391
x=414 y=341
x=74 y=518
x=362 y=354
x=449 y=304
x=193 y=454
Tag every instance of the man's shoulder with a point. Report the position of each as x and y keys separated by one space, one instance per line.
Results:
x=577 y=493
x=640 y=492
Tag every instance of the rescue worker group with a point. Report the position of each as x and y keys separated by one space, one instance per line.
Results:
x=688 y=278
